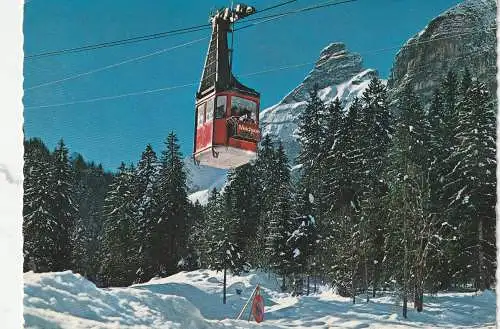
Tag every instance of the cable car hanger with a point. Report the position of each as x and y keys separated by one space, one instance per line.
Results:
x=226 y=131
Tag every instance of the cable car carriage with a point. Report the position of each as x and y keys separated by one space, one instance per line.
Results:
x=227 y=112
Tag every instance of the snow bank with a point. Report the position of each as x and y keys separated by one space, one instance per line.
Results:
x=67 y=300
x=204 y=289
x=194 y=300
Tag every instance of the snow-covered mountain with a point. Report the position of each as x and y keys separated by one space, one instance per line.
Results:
x=202 y=179
x=337 y=73
x=463 y=36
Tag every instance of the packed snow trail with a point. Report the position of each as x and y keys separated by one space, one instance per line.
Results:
x=193 y=300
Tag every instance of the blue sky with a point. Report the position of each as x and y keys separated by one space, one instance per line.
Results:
x=118 y=130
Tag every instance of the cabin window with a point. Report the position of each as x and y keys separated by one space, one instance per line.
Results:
x=241 y=107
x=210 y=110
x=220 y=110
x=201 y=114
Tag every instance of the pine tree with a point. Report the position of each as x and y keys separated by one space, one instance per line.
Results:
x=279 y=216
x=439 y=271
x=334 y=135
x=311 y=189
x=265 y=167
x=413 y=229
x=40 y=227
x=449 y=121
x=443 y=122
x=375 y=143
x=214 y=213
x=345 y=180
x=63 y=208
x=311 y=139
x=473 y=180
x=197 y=241
x=332 y=125
x=302 y=243
x=118 y=266
x=146 y=176
x=376 y=120
x=310 y=130
x=91 y=186
x=466 y=82
x=328 y=190
x=242 y=190
x=170 y=237
x=345 y=176
x=223 y=227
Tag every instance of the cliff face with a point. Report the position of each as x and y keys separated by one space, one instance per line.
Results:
x=463 y=36
x=337 y=72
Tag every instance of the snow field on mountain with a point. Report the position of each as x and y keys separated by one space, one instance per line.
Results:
x=194 y=300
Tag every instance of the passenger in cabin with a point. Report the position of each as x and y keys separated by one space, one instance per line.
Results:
x=235 y=111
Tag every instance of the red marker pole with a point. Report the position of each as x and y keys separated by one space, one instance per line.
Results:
x=258 y=307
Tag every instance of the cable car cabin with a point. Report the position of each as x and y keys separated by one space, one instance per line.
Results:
x=227 y=112
x=227 y=130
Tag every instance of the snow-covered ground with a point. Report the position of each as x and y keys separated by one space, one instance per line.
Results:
x=193 y=300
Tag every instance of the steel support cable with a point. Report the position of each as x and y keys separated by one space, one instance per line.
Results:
x=138 y=93
x=284 y=3
x=75 y=76
x=118 y=42
x=107 y=67
x=326 y=4
x=147 y=37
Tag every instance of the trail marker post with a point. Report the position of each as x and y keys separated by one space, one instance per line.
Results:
x=246 y=304
x=257 y=309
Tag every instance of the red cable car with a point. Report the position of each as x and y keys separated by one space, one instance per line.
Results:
x=227 y=112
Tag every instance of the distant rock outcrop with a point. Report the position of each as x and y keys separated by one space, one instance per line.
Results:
x=463 y=36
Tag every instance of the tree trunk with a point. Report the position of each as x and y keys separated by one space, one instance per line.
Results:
x=405 y=303
x=419 y=289
x=224 y=289
x=353 y=292
x=420 y=296
x=283 y=286
x=308 y=276
x=481 y=270
x=353 y=288
x=366 y=280
x=405 y=260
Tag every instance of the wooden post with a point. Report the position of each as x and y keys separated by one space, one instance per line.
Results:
x=246 y=304
x=257 y=292
x=224 y=289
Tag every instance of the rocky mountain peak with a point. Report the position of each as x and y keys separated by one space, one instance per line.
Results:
x=333 y=50
x=334 y=66
x=338 y=74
